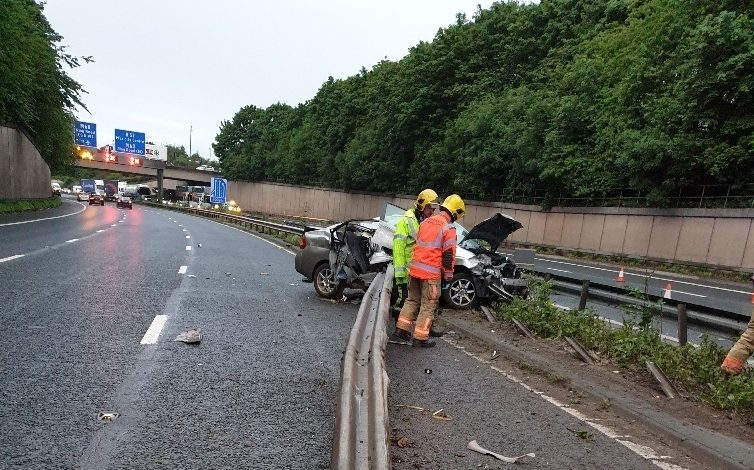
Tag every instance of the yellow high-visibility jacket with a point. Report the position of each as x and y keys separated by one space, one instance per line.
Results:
x=404 y=241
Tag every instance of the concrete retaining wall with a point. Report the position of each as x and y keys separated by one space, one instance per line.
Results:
x=715 y=237
x=23 y=172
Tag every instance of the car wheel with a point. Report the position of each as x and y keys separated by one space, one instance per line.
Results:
x=462 y=293
x=324 y=282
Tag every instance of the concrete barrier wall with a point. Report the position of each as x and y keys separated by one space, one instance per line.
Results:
x=23 y=172
x=715 y=237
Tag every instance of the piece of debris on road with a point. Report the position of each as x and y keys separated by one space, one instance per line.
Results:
x=441 y=415
x=192 y=336
x=477 y=448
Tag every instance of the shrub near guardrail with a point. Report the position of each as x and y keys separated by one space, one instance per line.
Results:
x=693 y=370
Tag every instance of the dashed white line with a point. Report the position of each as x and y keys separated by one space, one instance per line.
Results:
x=10 y=258
x=188 y=236
x=72 y=240
x=154 y=330
x=100 y=230
x=182 y=269
x=113 y=225
x=558 y=270
x=188 y=247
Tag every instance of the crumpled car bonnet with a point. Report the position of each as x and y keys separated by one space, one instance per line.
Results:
x=493 y=230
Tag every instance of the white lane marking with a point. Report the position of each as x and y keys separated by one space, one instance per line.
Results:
x=650 y=277
x=183 y=230
x=188 y=236
x=72 y=240
x=182 y=269
x=255 y=236
x=10 y=258
x=180 y=225
x=188 y=247
x=686 y=293
x=100 y=230
x=558 y=270
x=113 y=225
x=154 y=330
x=46 y=218
x=643 y=451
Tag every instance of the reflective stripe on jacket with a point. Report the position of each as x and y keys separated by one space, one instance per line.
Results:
x=435 y=252
x=404 y=241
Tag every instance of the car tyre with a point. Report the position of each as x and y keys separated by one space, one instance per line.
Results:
x=463 y=293
x=325 y=284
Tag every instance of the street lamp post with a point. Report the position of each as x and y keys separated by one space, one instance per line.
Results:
x=191 y=129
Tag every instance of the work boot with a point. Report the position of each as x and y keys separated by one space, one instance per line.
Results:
x=436 y=333
x=401 y=335
x=426 y=343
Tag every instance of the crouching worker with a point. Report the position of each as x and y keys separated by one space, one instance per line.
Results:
x=738 y=355
x=404 y=242
x=430 y=270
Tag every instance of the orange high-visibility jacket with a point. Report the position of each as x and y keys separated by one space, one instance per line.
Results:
x=435 y=251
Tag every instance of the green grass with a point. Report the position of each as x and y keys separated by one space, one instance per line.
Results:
x=10 y=207
x=693 y=371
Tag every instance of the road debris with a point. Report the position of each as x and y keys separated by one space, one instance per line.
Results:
x=494 y=356
x=264 y=274
x=412 y=407
x=107 y=416
x=427 y=371
x=402 y=343
x=403 y=442
x=486 y=312
x=192 y=275
x=585 y=435
x=477 y=448
x=192 y=336
x=441 y=415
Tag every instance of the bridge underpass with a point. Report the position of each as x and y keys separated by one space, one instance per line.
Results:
x=156 y=168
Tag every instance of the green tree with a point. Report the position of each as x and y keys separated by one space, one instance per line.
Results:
x=36 y=92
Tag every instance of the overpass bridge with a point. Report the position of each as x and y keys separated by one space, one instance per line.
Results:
x=137 y=165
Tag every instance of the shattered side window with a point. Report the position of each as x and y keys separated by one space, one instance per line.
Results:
x=391 y=214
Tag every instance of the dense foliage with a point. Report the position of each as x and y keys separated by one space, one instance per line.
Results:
x=36 y=93
x=578 y=97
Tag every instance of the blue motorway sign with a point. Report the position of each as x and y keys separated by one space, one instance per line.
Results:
x=129 y=142
x=85 y=133
x=218 y=190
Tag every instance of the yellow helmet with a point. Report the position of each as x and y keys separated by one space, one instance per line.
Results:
x=454 y=204
x=425 y=197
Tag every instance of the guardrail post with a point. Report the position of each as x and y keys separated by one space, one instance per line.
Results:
x=682 y=331
x=584 y=294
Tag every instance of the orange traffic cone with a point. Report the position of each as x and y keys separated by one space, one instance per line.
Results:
x=620 y=277
x=668 y=290
x=752 y=298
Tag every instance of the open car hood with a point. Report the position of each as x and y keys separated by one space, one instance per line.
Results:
x=493 y=230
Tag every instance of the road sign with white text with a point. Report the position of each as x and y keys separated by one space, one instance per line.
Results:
x=85 y=133
x=219 y=188
x=129 y=142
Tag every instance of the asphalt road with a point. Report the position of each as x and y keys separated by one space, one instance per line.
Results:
x=727 y=297
x=258 y=392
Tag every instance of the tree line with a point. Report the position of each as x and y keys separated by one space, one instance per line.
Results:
x=573 y=97
x=36 y=92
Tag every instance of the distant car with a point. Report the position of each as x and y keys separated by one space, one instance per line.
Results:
x=124 y=201
x=56 y=190
x=82 y=196
x=97 y=197
x=205 y=168
x=66 y=190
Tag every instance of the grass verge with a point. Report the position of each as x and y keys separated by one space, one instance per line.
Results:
x=694 y=371
x=9 y=207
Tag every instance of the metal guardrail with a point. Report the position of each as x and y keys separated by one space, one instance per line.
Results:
x=249 y=222
x=360 y=441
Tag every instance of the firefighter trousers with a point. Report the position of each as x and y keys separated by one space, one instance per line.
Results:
x=423 y=297
x=740 y=352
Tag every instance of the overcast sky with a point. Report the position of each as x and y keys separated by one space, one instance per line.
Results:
x=163 y=66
